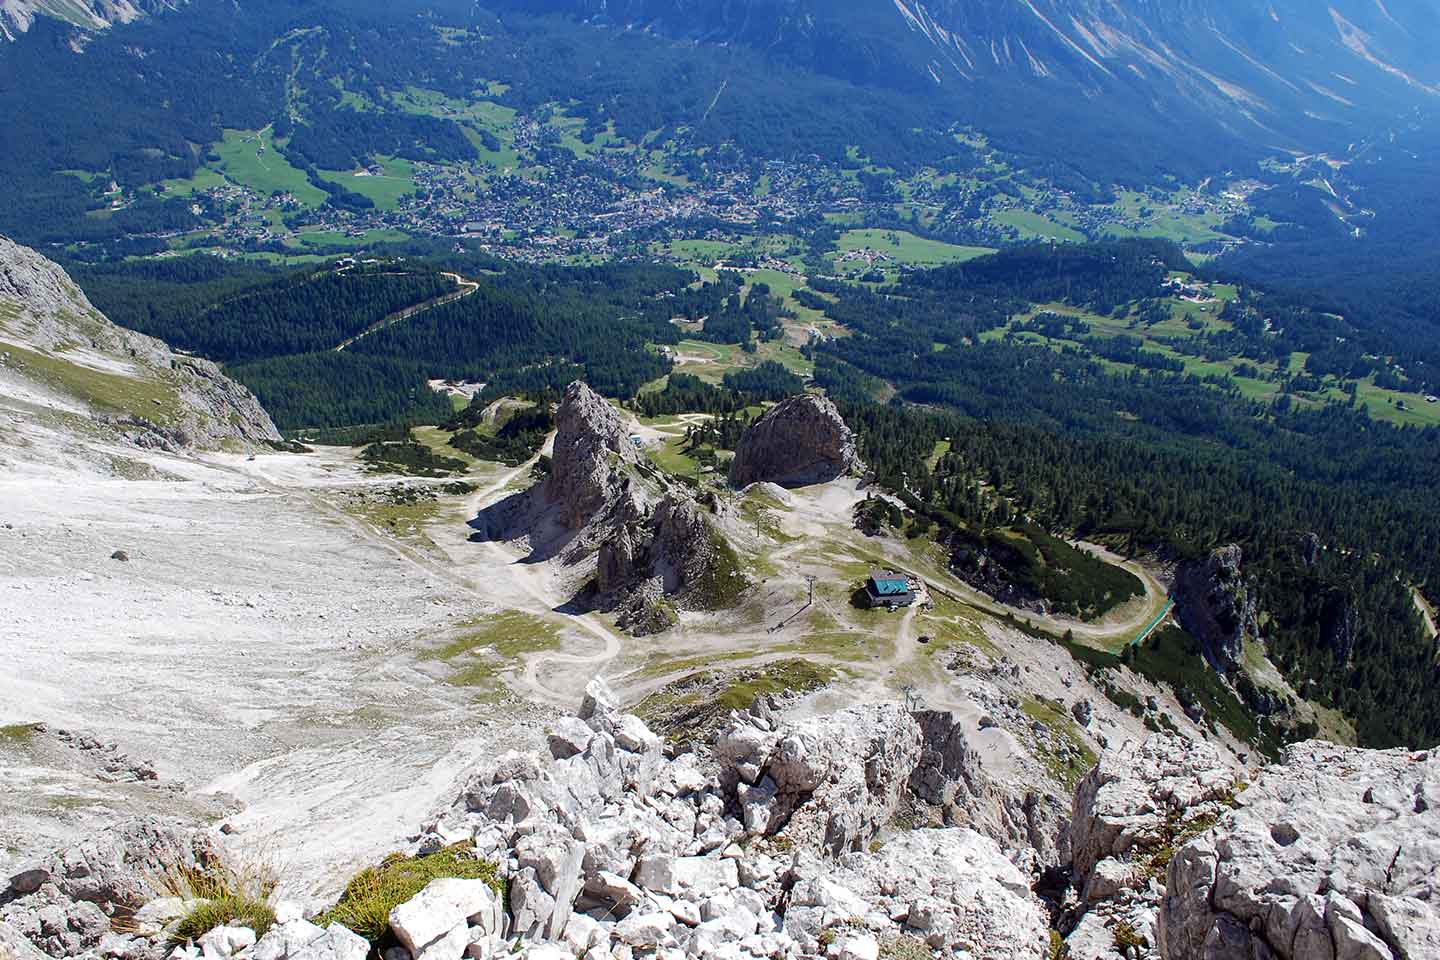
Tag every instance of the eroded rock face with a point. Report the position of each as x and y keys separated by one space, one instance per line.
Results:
x=673 y=553
x=651 y=544
x=591 y=443
x=1218 y=604
x=799 y=441
x=198 y=406
x=1329 y=855
x=1129 y=813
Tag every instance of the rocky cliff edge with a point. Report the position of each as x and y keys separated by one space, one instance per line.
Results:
x=58 y=353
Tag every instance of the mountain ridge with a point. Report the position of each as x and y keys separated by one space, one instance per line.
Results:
x=17 y=16
x=1284 y=75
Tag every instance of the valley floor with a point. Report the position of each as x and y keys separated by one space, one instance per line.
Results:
x=319 y=653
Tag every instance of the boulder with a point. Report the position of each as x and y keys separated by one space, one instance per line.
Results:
x=285 y=940
x=438 y=910
x=1329 y=854
x=226 y=941
x=337 y=943
x=797 y=442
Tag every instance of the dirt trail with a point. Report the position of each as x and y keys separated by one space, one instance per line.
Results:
x=532 y=589
x=465 y=288
x=1427 y=613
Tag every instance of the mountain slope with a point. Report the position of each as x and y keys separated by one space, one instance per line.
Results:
x=1290 y=74
x=63 y=363
x=17 y=16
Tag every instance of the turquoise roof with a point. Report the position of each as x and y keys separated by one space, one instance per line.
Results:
x=890 y=588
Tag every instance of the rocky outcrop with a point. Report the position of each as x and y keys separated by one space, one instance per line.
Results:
x=65 y=904
x=1329 y=855
x=797 y=442
x=592 y=446
x=1340 y=627
x=1129 y=814
x=652 y=544
x=134 y=384
x=788 y=839
x=1218 y=604
x=673 y=555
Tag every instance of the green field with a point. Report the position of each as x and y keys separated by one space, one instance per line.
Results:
x=251 y=160
x=1160 y=218
x=331 y=238
x=386 y=190
x=203 y=180
x=1034 y=226
x=908 y=248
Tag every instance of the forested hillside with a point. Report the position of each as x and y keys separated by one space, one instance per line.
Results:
x=1154 y=459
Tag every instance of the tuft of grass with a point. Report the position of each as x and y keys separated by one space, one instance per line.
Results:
x=18 y=734
x=1126 y=936
x=240 y=911
x=372 y=893
x=226 y=897
x=904 y=947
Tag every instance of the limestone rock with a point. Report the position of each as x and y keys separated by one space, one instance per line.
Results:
x=440 y=908
x=1134 y=794
x=1218 y=604
x=120 y=868
x=337 y=943
x=952 y=888
x=285 y=939
x=797 y=442
x=1329 y=854
x=591 y=442
x=226 y=941
x=617 y=850
x=13 y=946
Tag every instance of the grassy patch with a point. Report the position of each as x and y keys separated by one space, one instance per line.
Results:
x=1035 y=226
x=1065 y=768
x=697 y=704
x=17 y=734
x=384 y=189
x=369 y=897
x=250 y=159
x=908 y=248
x=723 y=582
x=486 y=647
x=140 y=396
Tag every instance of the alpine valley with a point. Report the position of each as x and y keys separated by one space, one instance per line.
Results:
x=661 y=479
